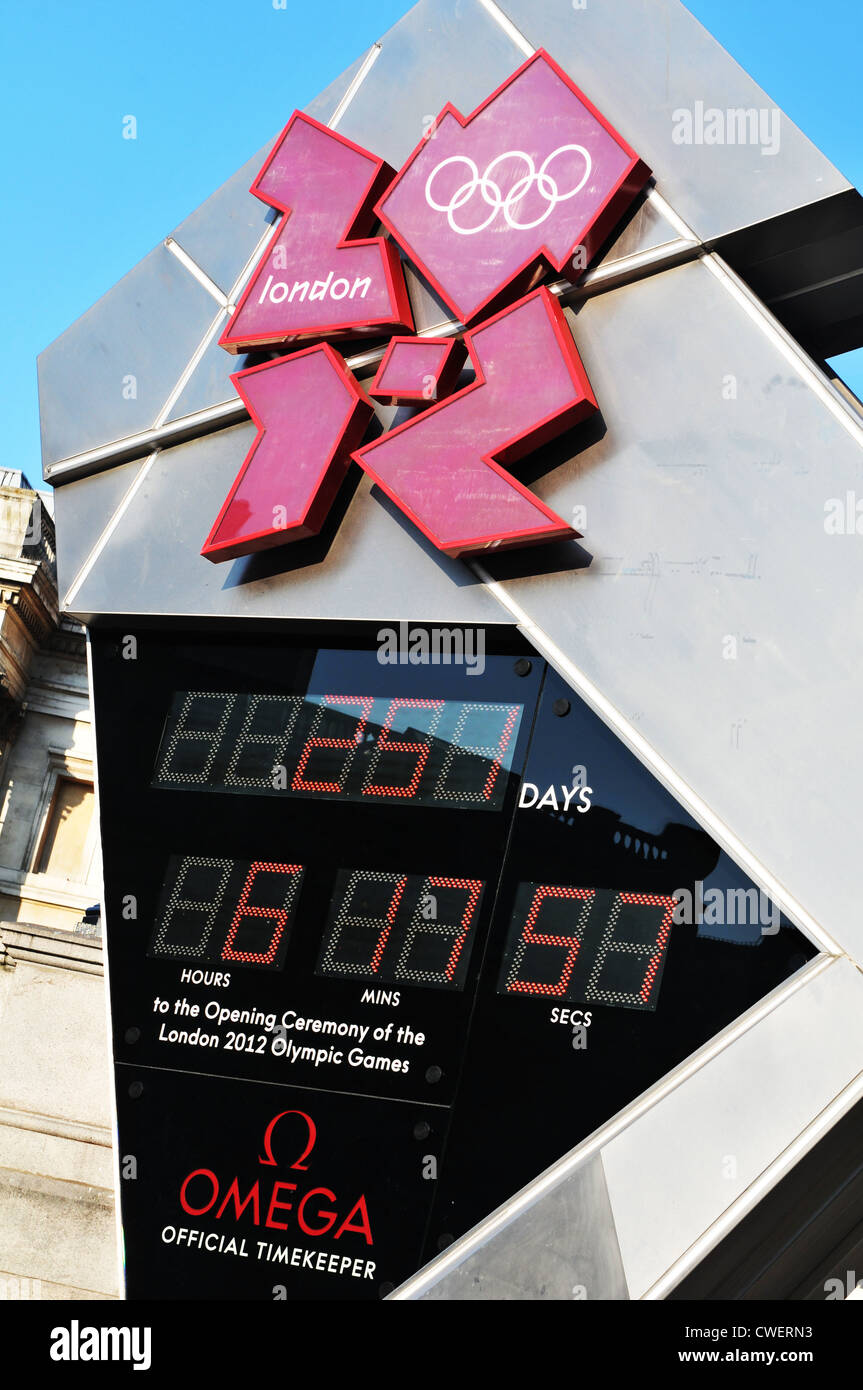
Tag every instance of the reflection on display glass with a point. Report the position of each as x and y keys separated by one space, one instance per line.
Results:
x=354 y=747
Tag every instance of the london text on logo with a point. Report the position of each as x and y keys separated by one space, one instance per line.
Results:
x=317 y=278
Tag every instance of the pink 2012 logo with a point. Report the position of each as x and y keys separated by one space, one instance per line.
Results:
x=484 y=207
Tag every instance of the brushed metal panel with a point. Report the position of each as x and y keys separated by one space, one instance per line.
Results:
x=428 y=308
x=641 y=60
x=563 y=1248
x=82 y=510
x=680 y=1165
x=137 y=337
x=371 y=566
x=210 y=382
x=442 y=50
x=643 y=229
x=223 y=232
x=707 y=602
x=324 y=105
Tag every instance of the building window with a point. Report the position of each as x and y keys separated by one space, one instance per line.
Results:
x=65 y=848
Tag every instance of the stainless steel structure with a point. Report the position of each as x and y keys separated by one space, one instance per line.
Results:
x=703 y=329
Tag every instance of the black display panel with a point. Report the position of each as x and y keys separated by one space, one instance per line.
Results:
x=271 y=937
x=288 y=1209
x=522 y=962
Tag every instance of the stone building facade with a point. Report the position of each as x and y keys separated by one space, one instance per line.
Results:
x=57 y=1231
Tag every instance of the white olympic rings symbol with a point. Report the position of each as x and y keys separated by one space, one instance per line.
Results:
x=492 y=195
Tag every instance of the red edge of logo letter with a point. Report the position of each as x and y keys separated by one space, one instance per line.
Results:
x=320 y=275
x=532 y=174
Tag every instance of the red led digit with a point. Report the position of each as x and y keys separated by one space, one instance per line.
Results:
x=497 y=756
x=420 y=926
x=492 y=753
x=531 y=938
x=387 y=745
x=612 y=945
x=473 y=889
x=280 y=915
x=299 y=783
x=345 y=920
x=390 y=918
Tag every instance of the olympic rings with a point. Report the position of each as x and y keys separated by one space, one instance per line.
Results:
x=492 y=194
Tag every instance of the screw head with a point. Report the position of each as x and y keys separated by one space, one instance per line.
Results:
x=136 y=1089
x=422 y=1129
x=522 y=667
x=433 y=1075
x=132 y=1035
x=561 y=707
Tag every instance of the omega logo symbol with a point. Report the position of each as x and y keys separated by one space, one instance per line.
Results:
x=491 y=193
x=268 y=1160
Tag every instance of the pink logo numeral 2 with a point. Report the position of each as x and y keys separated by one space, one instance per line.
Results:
x=446 y=469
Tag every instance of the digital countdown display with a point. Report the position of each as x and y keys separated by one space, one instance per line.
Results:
x=578 y=944
x=389 y=927
x=414 y=750
x=401 y=928
x=345 y=1031
x=417 y=929
x=221 y=911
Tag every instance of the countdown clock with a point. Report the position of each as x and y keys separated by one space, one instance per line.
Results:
x=384 y=942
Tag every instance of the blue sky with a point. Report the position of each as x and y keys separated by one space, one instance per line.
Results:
x=83 y=205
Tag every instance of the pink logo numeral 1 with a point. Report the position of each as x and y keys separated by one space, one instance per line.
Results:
x=317 y=277
x=310 y=414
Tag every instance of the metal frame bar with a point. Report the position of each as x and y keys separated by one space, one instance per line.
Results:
x=486 y=1230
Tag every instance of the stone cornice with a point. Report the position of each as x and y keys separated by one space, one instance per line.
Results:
x=38 y=617
x=56 y=1125
x=24 y=942
x=45 y=888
